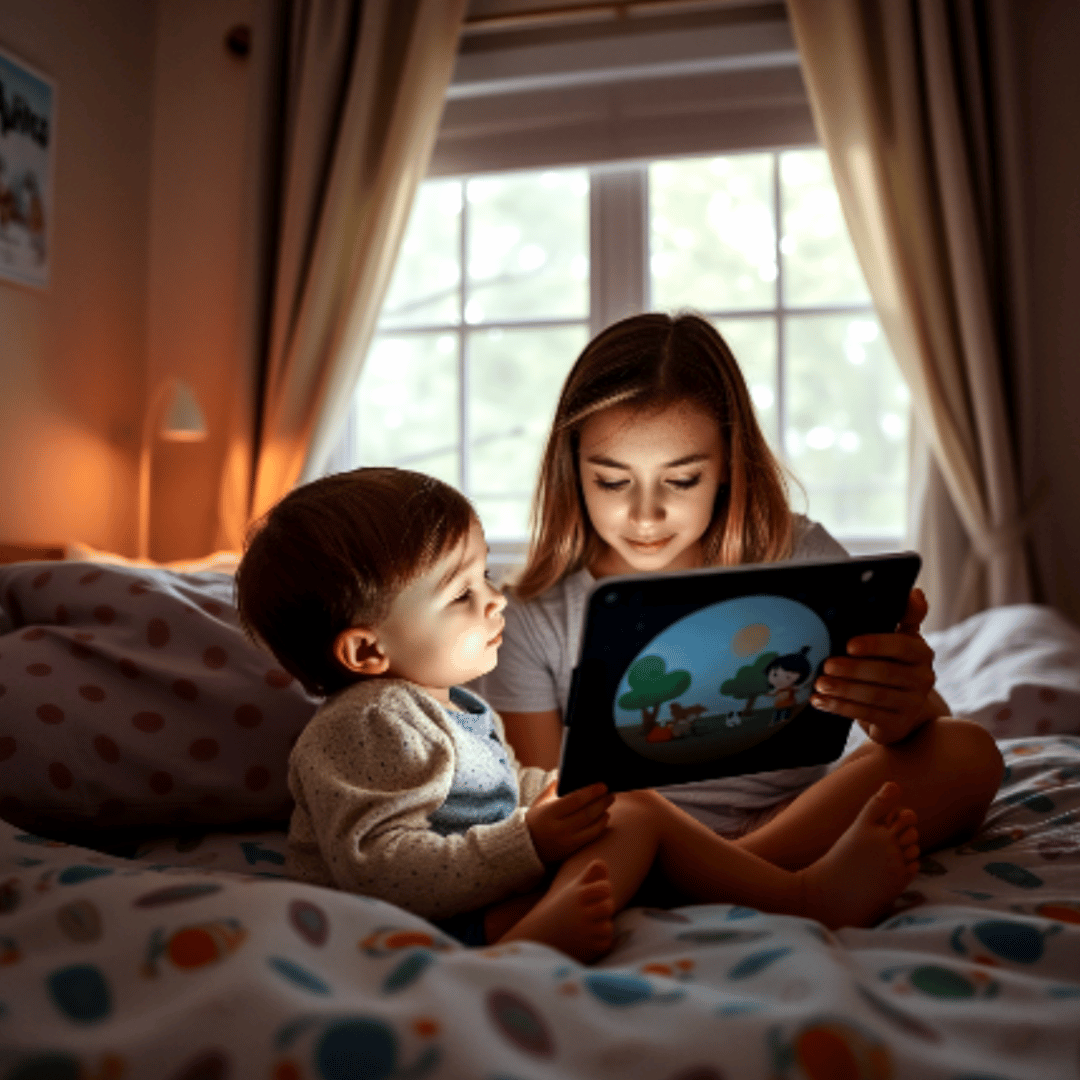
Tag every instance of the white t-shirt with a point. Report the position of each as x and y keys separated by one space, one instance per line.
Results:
x=541 y=642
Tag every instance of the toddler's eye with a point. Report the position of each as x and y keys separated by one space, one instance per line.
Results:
x=685 y=483
x=464 y=596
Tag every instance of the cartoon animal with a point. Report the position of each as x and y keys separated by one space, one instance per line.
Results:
x=683 y=718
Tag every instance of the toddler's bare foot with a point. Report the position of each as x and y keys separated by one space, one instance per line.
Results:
x=853 y=883
x=576 y=917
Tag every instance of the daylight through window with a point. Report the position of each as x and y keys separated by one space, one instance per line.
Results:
x=490 y=304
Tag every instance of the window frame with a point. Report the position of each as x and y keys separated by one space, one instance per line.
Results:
x=619 y=285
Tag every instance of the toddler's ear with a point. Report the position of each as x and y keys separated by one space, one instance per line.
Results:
x=358 y=649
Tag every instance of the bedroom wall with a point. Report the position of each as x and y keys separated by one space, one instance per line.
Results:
x=1048 y=43
x=73 y=356
x=203 y=235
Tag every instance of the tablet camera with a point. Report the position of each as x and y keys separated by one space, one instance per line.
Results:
x=721 y=680
x=867 y=575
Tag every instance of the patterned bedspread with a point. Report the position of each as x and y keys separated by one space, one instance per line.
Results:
x=197 y=961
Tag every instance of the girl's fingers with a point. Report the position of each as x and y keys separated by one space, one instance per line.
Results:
x=906 y=648
x=898 y=721
x=874 y=690
x=871 y=695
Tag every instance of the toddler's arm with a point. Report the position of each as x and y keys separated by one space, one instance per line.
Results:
x=365 y=778
x=561 y=825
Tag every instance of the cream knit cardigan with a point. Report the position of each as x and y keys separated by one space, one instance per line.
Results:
x=374 y=761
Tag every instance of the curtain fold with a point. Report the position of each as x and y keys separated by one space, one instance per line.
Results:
x=912 y=100
x=360 y=90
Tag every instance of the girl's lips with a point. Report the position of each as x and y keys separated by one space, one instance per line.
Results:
x=647 y=546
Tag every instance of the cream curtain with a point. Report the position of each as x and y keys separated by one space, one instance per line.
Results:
x=914 y=102
x=361 y=88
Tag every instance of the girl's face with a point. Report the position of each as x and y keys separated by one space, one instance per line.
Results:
x=650 y=480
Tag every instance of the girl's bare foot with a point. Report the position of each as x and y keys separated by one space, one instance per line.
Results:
x=854 y=882
x=576 y=917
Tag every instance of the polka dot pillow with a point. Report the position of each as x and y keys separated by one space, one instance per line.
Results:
x=131 y=696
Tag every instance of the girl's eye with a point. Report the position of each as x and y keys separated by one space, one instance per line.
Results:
x=463 y=597
x=685 y=483
x=610 y=485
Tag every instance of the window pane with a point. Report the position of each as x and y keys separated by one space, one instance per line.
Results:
x=528 y=253
x=424 y=288
x=819 y=262
x=407 y=405
x=847 y=421
x=753 y=341
x=514 y=378
x=712 y=233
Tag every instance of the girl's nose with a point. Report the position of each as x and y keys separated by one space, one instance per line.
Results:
x=648 y=506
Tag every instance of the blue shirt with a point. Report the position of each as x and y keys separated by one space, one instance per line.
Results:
x=484 y=788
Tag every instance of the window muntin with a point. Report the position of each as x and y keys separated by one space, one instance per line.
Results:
x=462 y=377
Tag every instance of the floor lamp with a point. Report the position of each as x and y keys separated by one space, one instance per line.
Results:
x=176 y=416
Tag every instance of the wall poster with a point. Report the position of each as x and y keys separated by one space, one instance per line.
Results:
x=27 y=129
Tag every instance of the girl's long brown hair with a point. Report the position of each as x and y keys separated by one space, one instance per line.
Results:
x=651 y=361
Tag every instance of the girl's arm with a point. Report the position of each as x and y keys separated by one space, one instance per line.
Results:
x=536 y=737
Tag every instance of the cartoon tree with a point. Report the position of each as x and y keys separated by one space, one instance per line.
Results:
x=651 y=685
x=749 y=681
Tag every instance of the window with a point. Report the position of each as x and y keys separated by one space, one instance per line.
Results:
x=504 y=277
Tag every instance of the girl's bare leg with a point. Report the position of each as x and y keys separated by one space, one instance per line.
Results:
x=949 y=770
x=850 y=885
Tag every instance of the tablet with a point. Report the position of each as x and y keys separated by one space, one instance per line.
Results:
x=699 y=674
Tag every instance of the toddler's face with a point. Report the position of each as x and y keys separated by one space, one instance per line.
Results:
x=445 y=627
x=650 y=481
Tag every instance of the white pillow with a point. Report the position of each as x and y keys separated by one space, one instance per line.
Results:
x=1014 y=669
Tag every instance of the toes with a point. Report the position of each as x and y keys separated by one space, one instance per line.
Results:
x=912 y=854
x=881 y=804
x=908 y=837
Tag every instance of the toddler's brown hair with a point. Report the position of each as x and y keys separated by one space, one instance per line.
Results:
x=333 y=554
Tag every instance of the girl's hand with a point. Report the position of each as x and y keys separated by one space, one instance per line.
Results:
x=886 y=682
x=559 y=826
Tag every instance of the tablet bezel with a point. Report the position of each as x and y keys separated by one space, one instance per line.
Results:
x=615 y=632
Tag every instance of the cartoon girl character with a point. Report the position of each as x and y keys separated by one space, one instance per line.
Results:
x=784 y=674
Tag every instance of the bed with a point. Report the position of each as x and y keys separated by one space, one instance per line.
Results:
x=147 y=929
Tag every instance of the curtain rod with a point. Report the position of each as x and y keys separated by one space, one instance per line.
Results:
x=614 y=10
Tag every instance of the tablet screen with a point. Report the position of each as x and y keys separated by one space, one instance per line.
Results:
x=706 y=673
x=720 y=680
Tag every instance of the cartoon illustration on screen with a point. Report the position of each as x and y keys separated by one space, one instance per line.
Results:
x=721 y=679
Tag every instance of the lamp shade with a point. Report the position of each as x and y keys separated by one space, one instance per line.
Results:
x=183 y=420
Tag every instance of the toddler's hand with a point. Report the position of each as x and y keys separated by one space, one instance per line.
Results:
x=886 y=682
x=561 y=825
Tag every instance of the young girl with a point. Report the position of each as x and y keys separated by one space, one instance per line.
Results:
x=655 y=461
x=371 y=588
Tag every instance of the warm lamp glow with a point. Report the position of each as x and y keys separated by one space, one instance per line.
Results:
x=181 y=421
x=184 y=421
